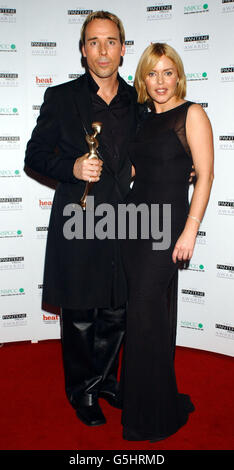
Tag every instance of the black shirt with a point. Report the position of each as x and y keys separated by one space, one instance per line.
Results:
x=113 y=138
x=114 y=117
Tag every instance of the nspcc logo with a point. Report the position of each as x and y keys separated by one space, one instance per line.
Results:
x=7 y=47
x=6 y=173
x=11 y=234
x=11 y=291
x=196 y=76
x=195 y=8
x=9 y=111
x=191 y=325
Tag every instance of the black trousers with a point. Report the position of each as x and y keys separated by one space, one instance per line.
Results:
x=91 y=341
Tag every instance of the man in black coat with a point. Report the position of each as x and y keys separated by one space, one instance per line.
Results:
x=85 y=276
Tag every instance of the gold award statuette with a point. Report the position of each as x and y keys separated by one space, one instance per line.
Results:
x=93 y=145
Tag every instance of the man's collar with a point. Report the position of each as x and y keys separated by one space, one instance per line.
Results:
x=93 y=86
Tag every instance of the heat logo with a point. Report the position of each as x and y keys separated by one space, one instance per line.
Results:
x=43 y=81
x=45 y=204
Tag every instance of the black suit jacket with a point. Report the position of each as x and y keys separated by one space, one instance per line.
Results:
x=79 y=273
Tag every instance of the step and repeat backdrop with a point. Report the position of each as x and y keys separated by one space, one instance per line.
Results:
x=39 y=47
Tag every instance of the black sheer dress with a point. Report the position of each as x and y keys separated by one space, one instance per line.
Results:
x=152 y=406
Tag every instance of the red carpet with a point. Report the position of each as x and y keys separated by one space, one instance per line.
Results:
x=35 y=413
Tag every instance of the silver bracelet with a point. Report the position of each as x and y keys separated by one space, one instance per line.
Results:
x=194 y=218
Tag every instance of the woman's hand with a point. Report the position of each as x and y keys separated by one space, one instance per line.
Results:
x=184 y=246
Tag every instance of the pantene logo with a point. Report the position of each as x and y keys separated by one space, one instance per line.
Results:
x=9 y=142
x=12 y=262
x=227 y=6
x=14 y=319
x=8 y=79
x=227 y=74
x=193 y=296
x=78 y=15
x=41 y=232
x=196 y=42
x=226 y=207
x=130 y=46
x=7 y=15
x=11 y=204
x=44 y=48
x=160 y=11
x=225 y=271
x=226 y=142
x=74 y=76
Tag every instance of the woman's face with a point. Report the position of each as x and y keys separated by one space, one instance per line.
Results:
x=161 y=82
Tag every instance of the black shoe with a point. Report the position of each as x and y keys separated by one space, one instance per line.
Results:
x=112 y=395
x=91 y=413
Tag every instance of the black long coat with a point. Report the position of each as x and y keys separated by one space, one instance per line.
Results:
x=78 y=273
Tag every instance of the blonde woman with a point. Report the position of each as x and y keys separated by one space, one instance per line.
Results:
x=176 y=135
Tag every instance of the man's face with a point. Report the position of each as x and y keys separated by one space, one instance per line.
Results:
x=102 y=48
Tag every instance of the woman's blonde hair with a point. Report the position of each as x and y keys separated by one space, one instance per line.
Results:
x=147 y=62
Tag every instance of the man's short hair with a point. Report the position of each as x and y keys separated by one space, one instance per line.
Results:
x=103 y=15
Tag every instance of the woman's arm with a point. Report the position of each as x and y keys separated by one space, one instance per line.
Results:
x=200 y=140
